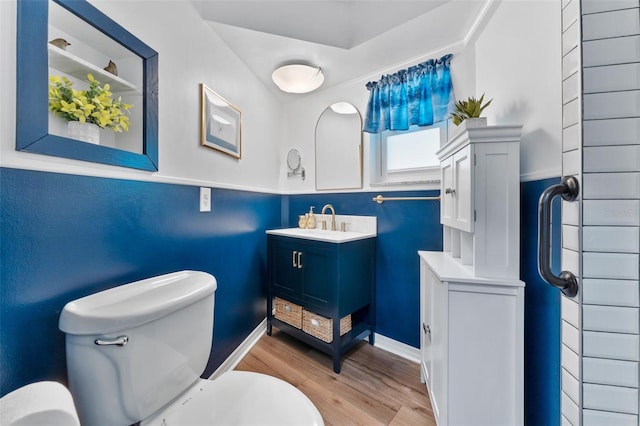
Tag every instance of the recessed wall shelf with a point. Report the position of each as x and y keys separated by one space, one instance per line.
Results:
x=71 y=64
x=95 y=38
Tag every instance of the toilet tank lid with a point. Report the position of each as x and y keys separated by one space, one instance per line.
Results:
x=134 y=304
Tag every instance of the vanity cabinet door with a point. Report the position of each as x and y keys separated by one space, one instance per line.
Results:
x=286 y=272
x=319 y=278
x=304 y=273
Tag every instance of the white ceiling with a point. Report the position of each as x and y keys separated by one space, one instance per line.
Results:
x=347 y=39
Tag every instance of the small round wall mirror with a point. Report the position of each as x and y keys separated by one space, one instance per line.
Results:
x=294 y=162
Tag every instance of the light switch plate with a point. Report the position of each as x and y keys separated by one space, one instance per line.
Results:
x=205 y=199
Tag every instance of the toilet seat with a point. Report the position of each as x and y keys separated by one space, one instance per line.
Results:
x=239 y=398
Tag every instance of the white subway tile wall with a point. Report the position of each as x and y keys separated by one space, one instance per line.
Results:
x=600 y=418
x=619 y=23
x=610 y=372
x=570 y=386
x=611 y=51
x=611 y=186
x=571 y=138
x=610 y=398
x=570 y=409
x=611 y=78
x=625 y=158
x=621 y=131
x=570 y=361
x=571 y=337
x=611 y=212
x=610 y=345
x=610 y=292
x=620 y=239
x=614 y=319
x=601 y=230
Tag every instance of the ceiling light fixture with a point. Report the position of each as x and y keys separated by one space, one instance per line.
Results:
x=298 y=78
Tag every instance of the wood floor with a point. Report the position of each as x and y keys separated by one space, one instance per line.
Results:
x=374 y=387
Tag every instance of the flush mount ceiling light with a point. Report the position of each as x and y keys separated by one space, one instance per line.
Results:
x=298 y=78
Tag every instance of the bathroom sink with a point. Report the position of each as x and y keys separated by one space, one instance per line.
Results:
x=322 y=235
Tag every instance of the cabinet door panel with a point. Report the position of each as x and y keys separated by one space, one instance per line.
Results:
x=319 y=276
x=426 y=300
x=286 y=275
x=439 y=330
x=446 y=196
x=463 y=197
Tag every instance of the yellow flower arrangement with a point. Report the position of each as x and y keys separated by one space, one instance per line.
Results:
x=87 y=106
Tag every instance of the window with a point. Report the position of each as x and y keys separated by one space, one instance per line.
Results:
x=407 y=156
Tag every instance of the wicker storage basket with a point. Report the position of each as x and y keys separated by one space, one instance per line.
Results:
x=288 y=312
x=321 y=327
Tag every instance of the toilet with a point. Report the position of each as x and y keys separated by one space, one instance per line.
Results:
x=39 y=404
x=135 y=353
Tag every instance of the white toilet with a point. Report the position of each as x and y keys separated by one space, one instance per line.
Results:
x=135 y=353
x=38 y=404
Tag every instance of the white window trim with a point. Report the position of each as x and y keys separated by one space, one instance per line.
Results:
x=379 y=176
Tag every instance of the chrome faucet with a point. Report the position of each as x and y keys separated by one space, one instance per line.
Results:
x=333 y=216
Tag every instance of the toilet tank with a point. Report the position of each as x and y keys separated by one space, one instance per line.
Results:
x=133 y=348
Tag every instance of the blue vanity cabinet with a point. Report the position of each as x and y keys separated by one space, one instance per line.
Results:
x=329 y=279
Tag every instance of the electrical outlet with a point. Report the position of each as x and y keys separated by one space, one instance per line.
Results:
x=205 y=199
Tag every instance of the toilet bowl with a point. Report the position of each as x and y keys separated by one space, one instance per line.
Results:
x=38 y=404
x=135 y=353
x=239 y=398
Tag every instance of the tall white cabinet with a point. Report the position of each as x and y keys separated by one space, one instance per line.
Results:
x=472 y=301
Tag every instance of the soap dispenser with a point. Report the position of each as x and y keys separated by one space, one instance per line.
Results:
x=311 y=220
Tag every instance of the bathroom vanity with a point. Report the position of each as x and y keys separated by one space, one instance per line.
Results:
x=321 y=287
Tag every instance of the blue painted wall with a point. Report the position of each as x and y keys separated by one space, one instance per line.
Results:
x=404 y=227
x=541 y=313
x=66 y=236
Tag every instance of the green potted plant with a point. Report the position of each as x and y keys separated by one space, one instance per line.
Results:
x=470 y=110
x=87 y=110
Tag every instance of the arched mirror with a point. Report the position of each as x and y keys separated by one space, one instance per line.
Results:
x=339 y=148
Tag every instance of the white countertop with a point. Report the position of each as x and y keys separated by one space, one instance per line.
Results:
x=450 y=269
x=320 y=235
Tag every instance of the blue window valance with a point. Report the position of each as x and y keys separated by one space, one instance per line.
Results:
x=420 y=95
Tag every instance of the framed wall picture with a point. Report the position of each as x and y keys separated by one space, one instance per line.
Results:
x=220 y=123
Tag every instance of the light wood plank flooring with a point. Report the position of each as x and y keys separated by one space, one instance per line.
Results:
x=374 y=387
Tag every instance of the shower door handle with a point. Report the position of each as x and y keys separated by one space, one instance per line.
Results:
x=569 y=190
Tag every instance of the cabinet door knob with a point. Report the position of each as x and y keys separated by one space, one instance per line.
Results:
x=299 y=260
x=294 y=258
x=451 y=191
x=426 y=329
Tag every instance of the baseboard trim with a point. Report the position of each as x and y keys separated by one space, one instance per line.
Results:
x=241 y=351
x=398 y=348
x=382 y=342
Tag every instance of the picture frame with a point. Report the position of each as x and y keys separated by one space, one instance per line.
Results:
x=220 y=123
